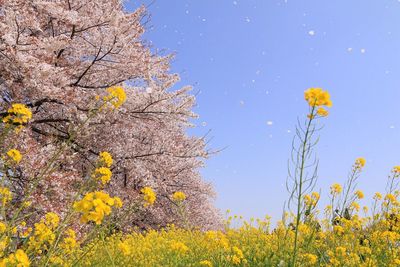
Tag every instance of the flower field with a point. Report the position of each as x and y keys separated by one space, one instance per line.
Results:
x=342 y=234
x=97 y=167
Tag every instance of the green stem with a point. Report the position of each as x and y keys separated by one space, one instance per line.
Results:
x=300 y=190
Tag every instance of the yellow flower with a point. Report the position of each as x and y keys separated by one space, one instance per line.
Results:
x=116 y=96
x=206 y=263
x=235 y=260
x=18 y=114
x=390 y=198
x=22 y=258
x=69 y=241
x=14 y=155
x=359 y=194
x=317 y=97
x=396 y=169
x=341 y=251
x=102 y=174
x=315 y=195
x=149 y=196
x=378 y=196
x=125 y=248
x=117 y=202
x=178 y=196
x=179 y=247
x=336 y=189
x=311 y=200
x=337 y=229
x=355 y=206
x=106 y=159
x=237 y=257
x=52 y=220
x=3 y=227
x=5 y=195
x=360 y=162
x=19 y=259
x=322 y=112
x=309 y=259
x=95 y=205
x=43 y=235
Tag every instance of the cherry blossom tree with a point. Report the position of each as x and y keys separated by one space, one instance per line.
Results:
x=58 y=57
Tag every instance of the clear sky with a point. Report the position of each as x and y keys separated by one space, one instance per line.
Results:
x=251 y=61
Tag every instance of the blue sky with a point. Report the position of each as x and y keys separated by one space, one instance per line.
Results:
x=251 y=61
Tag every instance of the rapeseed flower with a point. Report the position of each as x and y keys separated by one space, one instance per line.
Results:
x=360 y=163
x=317 y=97
x=14 y=155
x=102 y=174
x=18 y=114
x=5 y=195
x=19 y=259
x=95 y=206
x=178 y=196
x=336 y=189
x=149 y=196
x=105 y=159
x=116 y=96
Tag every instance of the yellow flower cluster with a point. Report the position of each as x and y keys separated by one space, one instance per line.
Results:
x=102 y=174
x=360 y=163
x=317 y=99
x=43 y=235
x=237 y=257
x=178 y=196
x=309 y=259
x=3 y=227
x=359 y=194
x=5 y=195
x=349 y=242
x=206 y=263
x=336 y=189
x=149 y=196
x=396 y=170
x=18 y=114
x=14 y=155
x=19 y=259
x=95 y=206
x=125 y=248
x=69 y=242
x=116 y=96
x=105 y=159
x=378 y=196
x=179 y=247
x=311 y=200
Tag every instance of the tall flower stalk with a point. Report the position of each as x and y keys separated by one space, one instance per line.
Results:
x=300 y=180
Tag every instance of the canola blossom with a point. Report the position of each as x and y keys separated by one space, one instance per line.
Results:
x=5 y=195
x=317 y=97
x=116 y=96
x=178 y=196
x=354 y=242
x=149 y=196
x=360 y=163
x=95 y=206
x=19 y=259
x=18 y=114
x=105 y=159
x=14 y=155
x=102 y=174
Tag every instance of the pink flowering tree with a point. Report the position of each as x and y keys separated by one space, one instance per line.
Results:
x=57 y=57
